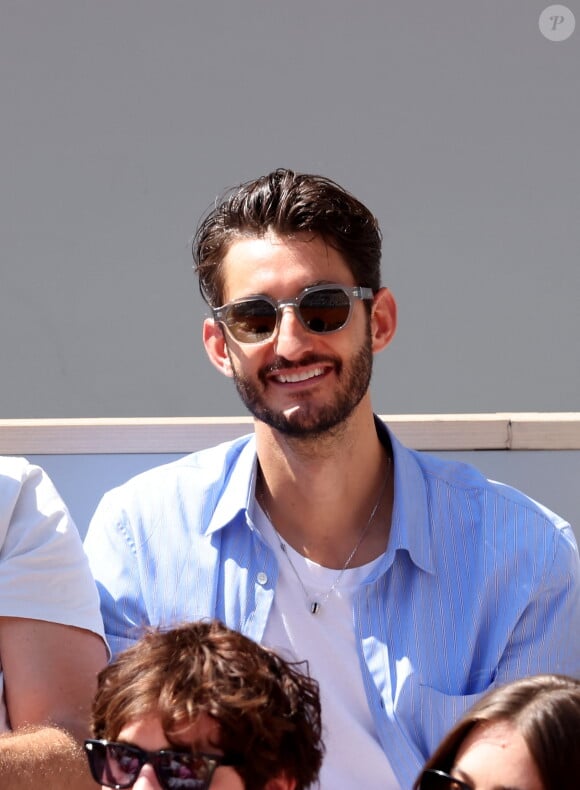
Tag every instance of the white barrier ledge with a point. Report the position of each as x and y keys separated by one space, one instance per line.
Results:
x=435 y=432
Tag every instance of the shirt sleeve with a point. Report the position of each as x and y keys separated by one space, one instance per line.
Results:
x=115 y=566
x=44 y=572
x=546 y=634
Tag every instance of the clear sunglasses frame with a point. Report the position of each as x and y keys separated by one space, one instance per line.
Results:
x=225 y=314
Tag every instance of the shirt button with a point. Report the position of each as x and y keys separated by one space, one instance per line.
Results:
x=262 y=578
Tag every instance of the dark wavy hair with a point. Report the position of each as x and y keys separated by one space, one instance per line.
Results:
x=267 y=709
x=287 y=203
x=544 y=709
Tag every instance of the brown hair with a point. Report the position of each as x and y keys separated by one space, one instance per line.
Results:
x=545 y=710
x=287 y=203
x=267 y=710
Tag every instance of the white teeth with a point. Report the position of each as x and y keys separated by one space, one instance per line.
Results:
x=291 y=378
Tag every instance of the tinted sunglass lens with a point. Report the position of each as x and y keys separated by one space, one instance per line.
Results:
x=113 y=765
x=326 y=310
x=122 y=766
x=184 y=771
x=118 y=765
x=252 y=321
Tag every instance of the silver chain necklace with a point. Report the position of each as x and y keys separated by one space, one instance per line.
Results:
x=315 y=605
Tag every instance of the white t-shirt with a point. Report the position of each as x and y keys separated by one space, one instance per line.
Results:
x=44 y=573
x=354 y=757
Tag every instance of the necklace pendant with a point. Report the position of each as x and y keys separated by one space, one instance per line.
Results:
x=314 y=607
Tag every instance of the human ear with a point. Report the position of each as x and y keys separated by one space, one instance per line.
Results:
x=214 y=341
x=383 y=319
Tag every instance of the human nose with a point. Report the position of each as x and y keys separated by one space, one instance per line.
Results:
x=292 y=337
x=147 y=779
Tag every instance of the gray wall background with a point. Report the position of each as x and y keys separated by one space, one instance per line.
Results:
x=456 y=121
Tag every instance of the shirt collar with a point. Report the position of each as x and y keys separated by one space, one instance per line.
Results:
x=410 y=529
x=237 y=494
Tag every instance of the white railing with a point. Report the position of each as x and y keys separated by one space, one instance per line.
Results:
x=435 y=432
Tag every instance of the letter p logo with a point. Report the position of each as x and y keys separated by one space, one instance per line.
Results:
x=557 y=23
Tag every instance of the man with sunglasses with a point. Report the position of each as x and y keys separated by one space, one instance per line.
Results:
x=203 y=706
x=411 y=584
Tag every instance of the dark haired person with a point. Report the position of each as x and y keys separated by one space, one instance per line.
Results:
x=51 y=635
x=523 y=735
x=409 y=583
x=203 y=706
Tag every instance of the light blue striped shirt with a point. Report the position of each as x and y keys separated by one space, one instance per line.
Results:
x=479 y=584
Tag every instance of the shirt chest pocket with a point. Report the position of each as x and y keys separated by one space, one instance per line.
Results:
x=427 y=714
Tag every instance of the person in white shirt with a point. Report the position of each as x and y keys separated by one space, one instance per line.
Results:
x=52 y=642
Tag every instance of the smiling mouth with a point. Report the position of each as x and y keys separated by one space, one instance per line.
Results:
x=294 y=377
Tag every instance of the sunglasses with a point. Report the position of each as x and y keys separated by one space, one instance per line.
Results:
x=321 y=309
x=118 y=765
x=439 y=780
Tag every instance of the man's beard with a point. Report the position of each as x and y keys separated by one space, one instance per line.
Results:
x=310 y=420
